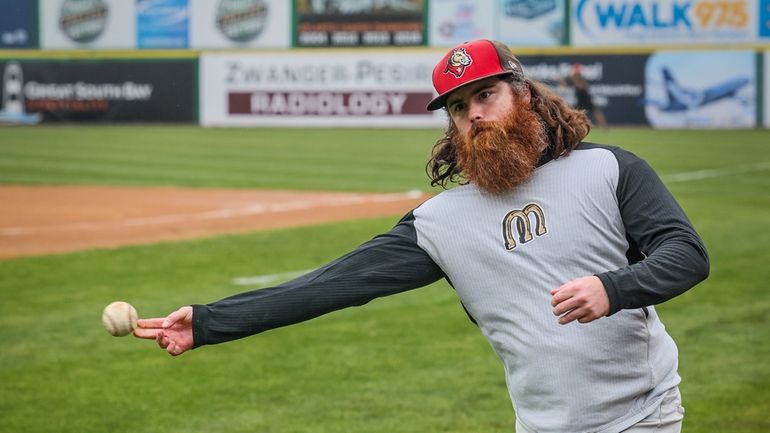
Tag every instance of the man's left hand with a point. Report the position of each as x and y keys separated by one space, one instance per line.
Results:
x=583 y=299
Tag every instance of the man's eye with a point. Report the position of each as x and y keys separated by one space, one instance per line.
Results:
x=485 y=94
x=458 y=108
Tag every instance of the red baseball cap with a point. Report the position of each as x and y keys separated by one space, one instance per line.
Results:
x=470 y=62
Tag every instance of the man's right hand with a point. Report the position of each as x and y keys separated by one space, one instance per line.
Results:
x=172 y=333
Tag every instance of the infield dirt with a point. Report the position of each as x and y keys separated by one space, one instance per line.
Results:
x=44 y=220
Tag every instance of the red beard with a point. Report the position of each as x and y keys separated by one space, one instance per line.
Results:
x=499 y=155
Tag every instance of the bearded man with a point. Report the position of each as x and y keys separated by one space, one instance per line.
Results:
x=558 y=250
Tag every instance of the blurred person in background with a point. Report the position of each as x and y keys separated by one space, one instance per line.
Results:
x=583 y=99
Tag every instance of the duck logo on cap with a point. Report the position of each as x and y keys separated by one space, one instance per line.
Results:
x=457 y=61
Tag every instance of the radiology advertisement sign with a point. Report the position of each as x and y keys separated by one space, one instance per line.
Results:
x=655 y=22
x=310 y=89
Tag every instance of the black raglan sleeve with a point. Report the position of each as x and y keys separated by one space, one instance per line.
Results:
x=389 y=263
x=670 y=256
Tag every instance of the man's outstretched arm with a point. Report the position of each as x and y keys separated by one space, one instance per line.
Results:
x=388 y=264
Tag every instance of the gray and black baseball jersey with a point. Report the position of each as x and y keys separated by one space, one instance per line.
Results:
x=598 y=211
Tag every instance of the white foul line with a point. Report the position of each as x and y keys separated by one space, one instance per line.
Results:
x=716 y=172
x=263 y=280
x=219 y=213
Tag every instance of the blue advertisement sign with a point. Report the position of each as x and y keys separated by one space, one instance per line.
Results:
x=18 y=24
x=162 y=24
x=701 y=89
x=764 y=18
x=655 y=22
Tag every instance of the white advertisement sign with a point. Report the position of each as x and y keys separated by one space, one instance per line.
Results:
x=514 y=22
x=701 y=89
x=80 y=24
x=453 y=22
x=655 y=22
x=766 y=83
x=240 y=23
x=530 y=22
x=328 y=88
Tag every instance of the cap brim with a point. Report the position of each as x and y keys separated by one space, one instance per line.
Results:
x=440 y=100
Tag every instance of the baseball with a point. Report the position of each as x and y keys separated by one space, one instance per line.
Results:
x=119 y=318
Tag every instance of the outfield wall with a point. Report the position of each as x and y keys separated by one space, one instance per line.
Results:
x=369 y=88
x=659 y=63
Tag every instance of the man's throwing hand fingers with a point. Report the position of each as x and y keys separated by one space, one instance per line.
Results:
x=173 y=333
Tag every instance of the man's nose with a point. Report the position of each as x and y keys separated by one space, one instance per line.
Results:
x=475 y=113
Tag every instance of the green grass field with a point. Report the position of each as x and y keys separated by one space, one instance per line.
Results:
x=408 y=363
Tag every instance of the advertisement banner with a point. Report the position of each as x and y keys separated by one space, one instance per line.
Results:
x=341 y=23
x=452 y=22
x=766 y=85
x=240 y=24
x=615 y=82
x=514 y=22
x=18 y=24
x=701 y=89
x=87 y=24
x=312 y=89
x=162 y=24
x=530 y=22
x=764 y=20
x=656 y=22
x=98 y=91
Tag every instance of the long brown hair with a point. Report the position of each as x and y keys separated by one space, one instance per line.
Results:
x=564 y=126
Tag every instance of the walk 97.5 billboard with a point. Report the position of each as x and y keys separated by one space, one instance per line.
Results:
x=43 y=90
x=656 y=22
